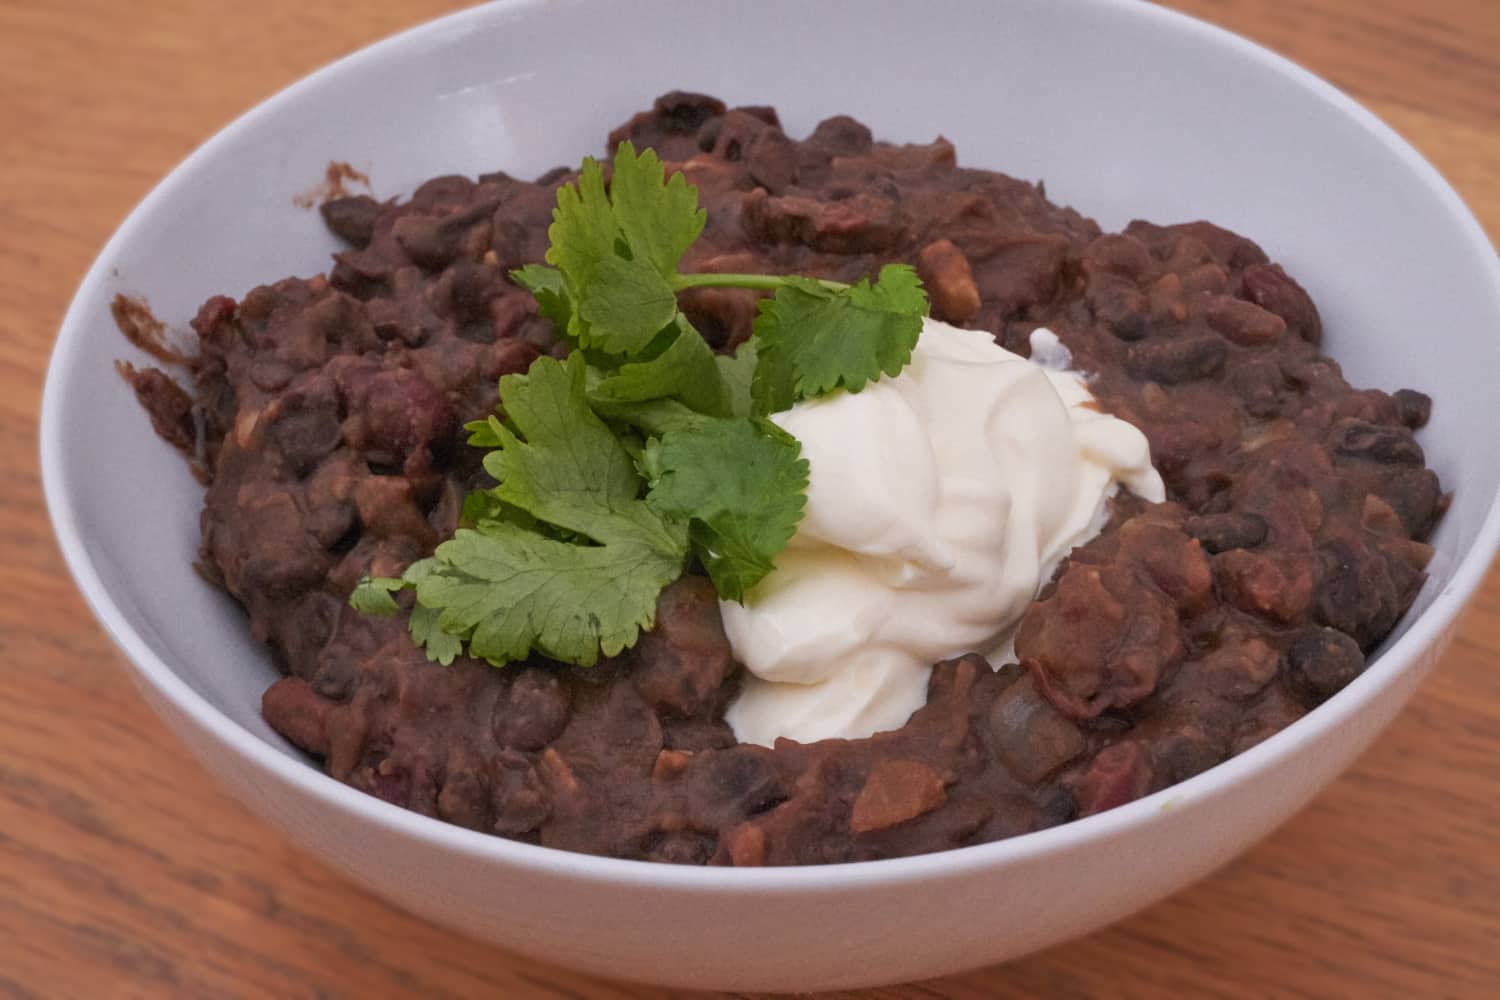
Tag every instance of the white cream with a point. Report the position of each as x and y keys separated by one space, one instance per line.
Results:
x=939 y=502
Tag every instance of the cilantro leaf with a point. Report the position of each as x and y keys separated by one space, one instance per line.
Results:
x=484 y=505
x=617 y=253
x=813 y=339
x=568 y=458
x=659 y=218
x=626 y=308
x=547 y=286
x=687 y=371
x=601 y=286
x=510 y=591
x=570 y=471
x=527 y=576
x=424 y=625
x=372 y=595
x=583 y=231
x=485 y=433
x=653 y=416
x=742 y=486
x=426 y=630
x=773 y=384
x=738 y=372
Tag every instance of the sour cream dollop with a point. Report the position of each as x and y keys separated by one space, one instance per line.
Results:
x=938 y=504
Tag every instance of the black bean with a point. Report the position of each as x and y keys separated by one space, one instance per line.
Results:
x=517 y=796
x=427 y=242
x=1415 y=495
x=448 y=189
x=1205 y=278
x=1119 y=255
x=680 y=847
x=464 y=292
x=1177 y=359
x=332 y=521
x=1119 y=773
x=1412 y=407
x=771 y=160
x=355 y=277
x=337 y=676
x=1358 y=594
x=684 y=659
x=403 y=412
x=727 y=786
x=1271 y=713
x=1355 y=438
x=1320 y=662
x=1238 y=669
x=1260 y=385
x=1179 y=754
x=1245 y=323
x=533 y=711
x=1228 y=248
x=389 y=319
x=708 y=135
x=1030 y=737
x=1188 y=253
x=1269 y=287
x=316 y=618
x=306 y=428
x=1222 y=532
x=685 y=112
x=352 y=219
x=1120 y=305
x=842 y=136
x=465 y=796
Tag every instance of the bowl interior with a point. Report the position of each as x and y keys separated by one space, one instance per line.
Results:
x=1122 y=109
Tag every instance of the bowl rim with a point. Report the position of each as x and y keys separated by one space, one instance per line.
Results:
x=274 y=765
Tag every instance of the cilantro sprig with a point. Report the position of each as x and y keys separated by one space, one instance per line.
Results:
x=644 y=451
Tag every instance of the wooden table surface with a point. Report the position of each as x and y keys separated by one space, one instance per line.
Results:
x=126 y=871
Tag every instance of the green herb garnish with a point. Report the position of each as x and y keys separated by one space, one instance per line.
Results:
x=644 y=449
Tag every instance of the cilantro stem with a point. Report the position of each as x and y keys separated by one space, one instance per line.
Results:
x=759 y=282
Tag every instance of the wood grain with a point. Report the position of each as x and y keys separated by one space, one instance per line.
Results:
x=125 y=871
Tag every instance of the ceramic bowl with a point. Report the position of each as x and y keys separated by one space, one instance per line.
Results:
x=1124 y=109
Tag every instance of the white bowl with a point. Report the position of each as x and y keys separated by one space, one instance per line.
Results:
x=1123 y=108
